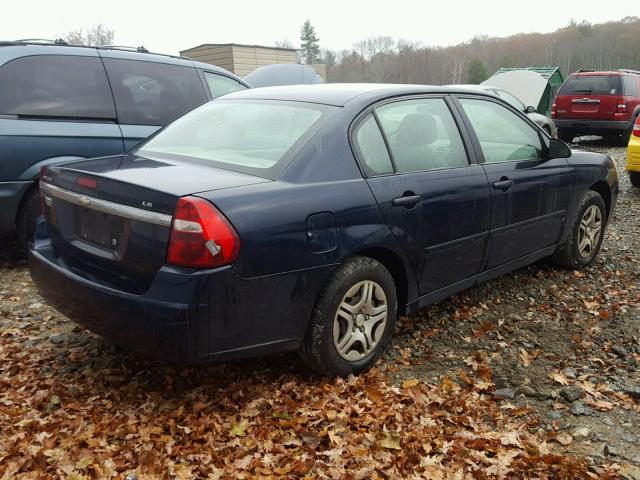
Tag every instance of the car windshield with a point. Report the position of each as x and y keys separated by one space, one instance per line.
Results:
x=256 y=137
x=591 y=84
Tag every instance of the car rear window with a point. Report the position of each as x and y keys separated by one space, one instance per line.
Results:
x=257 y=137
x=591 y=85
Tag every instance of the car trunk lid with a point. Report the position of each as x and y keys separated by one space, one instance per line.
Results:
x=111 y=217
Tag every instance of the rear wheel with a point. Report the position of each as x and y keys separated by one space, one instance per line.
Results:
x=353 y=319
x=635 y=179
x=585 y=238
x=566 y=135
x=26 y=220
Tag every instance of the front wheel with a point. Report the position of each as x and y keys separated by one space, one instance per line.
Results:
x=585 y=238
x=634 y=177
x=353 y=319
x=26 y=221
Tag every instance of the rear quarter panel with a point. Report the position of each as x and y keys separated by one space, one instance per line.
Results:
x=272 y=218
x=590 y=169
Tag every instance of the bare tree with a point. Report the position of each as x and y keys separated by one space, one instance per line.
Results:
x=373 y=46
x=98 y=35
x=577 y=45
x=284 y=42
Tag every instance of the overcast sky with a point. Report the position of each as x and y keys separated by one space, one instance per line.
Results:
x=170 y=26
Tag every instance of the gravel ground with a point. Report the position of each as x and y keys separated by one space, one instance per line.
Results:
x=562 y=345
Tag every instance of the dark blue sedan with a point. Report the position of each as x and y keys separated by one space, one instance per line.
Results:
x=308 y=218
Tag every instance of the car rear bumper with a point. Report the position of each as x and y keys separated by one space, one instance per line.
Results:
x=633 y=155
x=11 y=194
x=588 y=126
x=185 y=316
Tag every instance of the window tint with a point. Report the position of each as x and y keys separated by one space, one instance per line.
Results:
x=56 y=85
x=372 y=149
x=255 y=137
x=591 y=85
x=149 y=93
x=422 y=135
x=221 y=85
x=503 y=135
x=629 y=86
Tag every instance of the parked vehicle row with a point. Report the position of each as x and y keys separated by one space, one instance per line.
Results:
x=308 y=218
x=60 y=102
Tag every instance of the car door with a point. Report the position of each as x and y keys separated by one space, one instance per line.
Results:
x=54 y=108
x=149 y=95
x=530 y=193
x=435 y=202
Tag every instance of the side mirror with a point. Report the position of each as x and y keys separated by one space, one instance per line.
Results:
x=558 y=149
x=530 y=109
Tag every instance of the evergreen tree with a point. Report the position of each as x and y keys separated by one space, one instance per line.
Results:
x=309 y=43
x=477 y=72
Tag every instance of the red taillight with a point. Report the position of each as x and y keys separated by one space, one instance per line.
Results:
x=87 y=182
x=201 y=236
x=636 y=127
x=554 y=110
x=621 y=107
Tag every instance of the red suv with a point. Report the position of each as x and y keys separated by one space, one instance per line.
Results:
x=593 y=102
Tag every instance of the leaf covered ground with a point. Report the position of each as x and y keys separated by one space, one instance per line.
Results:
x=533 y=375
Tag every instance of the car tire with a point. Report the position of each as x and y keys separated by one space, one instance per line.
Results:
x=626 y=137
x=634 y=178
x=29 y=210
x=566 y=136
x=347 y=333
x=583 y=244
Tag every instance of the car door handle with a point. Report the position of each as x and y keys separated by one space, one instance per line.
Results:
x=408 y=200
x=503 y=184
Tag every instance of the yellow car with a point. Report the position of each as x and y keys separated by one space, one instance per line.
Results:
x=633 y=155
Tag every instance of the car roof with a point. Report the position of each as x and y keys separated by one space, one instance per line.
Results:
x=339 y=94
x=12 y=50
x=619 y=72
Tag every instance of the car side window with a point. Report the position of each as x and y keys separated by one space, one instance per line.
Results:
x=503 y=135
x=372 y=148
x=148 y=93
x=629 y=86
x=221 y=85
x=422 y=135
x=56 y=86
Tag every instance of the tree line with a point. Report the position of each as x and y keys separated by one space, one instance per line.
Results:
x=576 y=46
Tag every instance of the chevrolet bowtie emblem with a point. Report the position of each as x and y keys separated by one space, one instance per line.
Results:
x=84 y=201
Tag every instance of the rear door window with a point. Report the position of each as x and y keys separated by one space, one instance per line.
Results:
x=221 y=85
x=56 y=86
x=591 y=85
x=422 y=135
x=148 y=93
